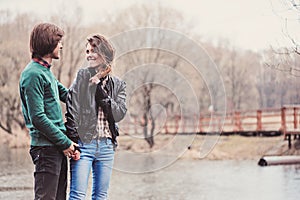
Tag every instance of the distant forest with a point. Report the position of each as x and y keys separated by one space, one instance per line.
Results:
x=252 y=80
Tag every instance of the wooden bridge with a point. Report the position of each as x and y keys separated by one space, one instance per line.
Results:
x=266 y=122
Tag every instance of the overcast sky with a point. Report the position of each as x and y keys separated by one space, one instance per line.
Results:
x=250 y=24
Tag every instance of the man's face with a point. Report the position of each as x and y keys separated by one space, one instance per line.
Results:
x=56 y=53
x=93 y=58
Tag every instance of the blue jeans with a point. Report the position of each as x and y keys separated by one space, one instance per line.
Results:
x=98 y=156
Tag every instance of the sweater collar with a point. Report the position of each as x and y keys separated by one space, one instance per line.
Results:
x=41 y=62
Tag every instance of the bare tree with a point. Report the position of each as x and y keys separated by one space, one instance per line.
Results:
x=73 y=44
x=284 y=60
x=13 y=48
x=292 y=5
x=147 y=16
x=289 y=8
x=239 y=70
x=278 y=88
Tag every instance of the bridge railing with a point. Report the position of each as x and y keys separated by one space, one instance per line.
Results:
x=284 y=120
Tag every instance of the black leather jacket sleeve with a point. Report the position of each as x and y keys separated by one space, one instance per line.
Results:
x=72 y=109
x=118 y=101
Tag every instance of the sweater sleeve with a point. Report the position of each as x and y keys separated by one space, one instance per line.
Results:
x=34 y=94
x=63 y=92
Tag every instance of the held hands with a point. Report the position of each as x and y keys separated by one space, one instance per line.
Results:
x=72 y=151
x=76 y=155
x=96 y=78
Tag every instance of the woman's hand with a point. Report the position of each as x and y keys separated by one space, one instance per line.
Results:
x=76 y=155
x=96 y=78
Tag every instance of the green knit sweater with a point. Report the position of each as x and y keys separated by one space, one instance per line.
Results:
x=41 y=94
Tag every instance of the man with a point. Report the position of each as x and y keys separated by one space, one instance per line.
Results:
x=41 y=94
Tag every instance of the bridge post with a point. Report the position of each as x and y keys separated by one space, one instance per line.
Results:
x=237 y=119
x=296 y=121
x=295 y=118
x=258 y=118
x=200 y=124
x=283 y=121
x=283 y=127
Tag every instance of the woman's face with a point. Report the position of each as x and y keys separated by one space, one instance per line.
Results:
x=93 y=58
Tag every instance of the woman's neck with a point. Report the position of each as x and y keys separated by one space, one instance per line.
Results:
x=100 y=68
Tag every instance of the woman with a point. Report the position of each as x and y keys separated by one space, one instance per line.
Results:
x=96 y=101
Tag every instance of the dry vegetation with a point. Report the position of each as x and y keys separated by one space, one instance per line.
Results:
x=248 y=82
x=232 y=147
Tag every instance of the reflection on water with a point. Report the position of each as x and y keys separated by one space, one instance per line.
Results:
x=15 y=174
x=185 y=179
x=211 y=180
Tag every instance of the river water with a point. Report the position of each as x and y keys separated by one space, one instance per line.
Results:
x=182 y=180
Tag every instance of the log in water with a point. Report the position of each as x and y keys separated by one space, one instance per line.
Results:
x=279 y=160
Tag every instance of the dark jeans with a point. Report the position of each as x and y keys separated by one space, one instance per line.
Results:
x=50 y=176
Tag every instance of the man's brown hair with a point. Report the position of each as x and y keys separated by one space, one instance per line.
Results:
x=44 y=39
x=102 y=46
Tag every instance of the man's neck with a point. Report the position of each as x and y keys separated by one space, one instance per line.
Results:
x=47 y=59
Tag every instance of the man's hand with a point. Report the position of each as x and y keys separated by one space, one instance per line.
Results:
x=70 y=151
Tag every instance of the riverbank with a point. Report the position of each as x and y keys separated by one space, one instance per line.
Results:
x=233 y=147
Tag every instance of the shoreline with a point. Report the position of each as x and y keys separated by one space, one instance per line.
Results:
x=232 y=147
